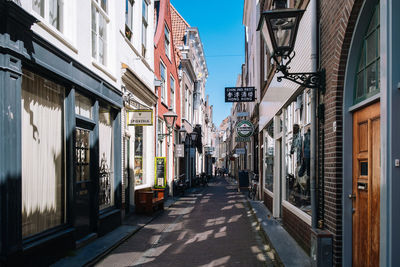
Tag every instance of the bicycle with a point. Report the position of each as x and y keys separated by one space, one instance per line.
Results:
x=253 y=187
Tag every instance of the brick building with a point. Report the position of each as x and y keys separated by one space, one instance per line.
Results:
x=165 y=68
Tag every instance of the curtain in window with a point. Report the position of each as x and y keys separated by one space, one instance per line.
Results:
x=106 y=197
x=42 y=154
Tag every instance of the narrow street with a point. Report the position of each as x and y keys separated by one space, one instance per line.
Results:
x=211 y=228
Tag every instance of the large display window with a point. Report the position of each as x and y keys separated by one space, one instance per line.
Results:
x=297 y=156
x=138 y=161
x=269 y=144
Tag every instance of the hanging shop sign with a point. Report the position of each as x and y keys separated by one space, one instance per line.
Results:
x=242 y=139
x=245 y=128
x=161 y=172
x=140 y=117
x=242 y=114
x=240 y=94
x=180 y=150
x=240 y=151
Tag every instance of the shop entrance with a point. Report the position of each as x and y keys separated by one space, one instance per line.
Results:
x=83 y=183
x=366 y=186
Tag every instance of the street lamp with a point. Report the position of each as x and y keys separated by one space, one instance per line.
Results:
x=169 y=118
x=279 y=29
x=183 y=134
x=193 y=135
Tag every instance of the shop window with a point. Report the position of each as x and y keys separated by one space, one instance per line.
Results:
x=138 y=164
x=106 y=158
x=43 y=162
x=297 y=160
x=51 y=10
x=99 y=31
x=269 y=144
x=83 y=106
x=368 y=72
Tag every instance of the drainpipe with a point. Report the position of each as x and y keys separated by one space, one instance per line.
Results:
x=314 y=57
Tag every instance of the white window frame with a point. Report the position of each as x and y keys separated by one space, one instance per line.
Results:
x=103 y=13
x=266 y=63
x=167 y=42
x=46 y=14
x=145 y=24
x=172 y=96
x=129 y=9
x=163 y=77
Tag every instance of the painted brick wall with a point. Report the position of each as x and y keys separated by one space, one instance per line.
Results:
x=337 y=21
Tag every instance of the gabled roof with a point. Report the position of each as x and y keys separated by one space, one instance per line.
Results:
x=179 y=25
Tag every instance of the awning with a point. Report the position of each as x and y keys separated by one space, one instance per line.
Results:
x=278 y=93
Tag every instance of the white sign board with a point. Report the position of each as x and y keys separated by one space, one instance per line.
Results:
x=140 y=117
x=240 y=151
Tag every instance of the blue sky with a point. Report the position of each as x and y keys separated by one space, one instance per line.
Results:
x=222 y=33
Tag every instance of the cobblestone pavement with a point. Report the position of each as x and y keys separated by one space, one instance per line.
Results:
x=212 y=228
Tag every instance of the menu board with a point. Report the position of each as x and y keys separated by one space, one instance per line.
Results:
x=160 y=172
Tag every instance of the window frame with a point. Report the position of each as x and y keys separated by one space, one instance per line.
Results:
x=163 y=76
x=99 y=12
x=167 y=41
x=172 y=95
x=129 y=5
x=46 y=15
x=145 y=24
x=363 y=56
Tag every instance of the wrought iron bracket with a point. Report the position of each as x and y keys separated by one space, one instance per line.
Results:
x=307 y=79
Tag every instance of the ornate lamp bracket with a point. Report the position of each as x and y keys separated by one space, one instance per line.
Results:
x=307 y=79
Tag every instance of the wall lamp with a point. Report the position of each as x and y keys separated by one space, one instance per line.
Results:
x=170 y=119
x=279 y=29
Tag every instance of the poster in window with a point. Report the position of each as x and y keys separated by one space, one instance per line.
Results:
x=161 y=173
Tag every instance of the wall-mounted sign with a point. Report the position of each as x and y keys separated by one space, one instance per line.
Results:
x=242 y=139
x=242 y=114
x=161 y=172
x=240 y=151
x=180 y=151
x=140 y=117
x=245 y=128
x=240 y=94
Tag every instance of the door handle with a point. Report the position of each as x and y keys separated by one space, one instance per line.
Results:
x=352 y=196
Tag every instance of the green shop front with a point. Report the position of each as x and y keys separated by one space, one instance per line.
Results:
x=60 y=143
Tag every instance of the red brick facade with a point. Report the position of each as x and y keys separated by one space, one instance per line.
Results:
x=164 y=19
x=297 y=228
x=337 y=21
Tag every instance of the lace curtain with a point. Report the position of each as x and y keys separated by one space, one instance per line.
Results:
x=42 y=135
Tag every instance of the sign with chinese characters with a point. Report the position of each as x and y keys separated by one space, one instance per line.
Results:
x=161 y=172
x=240 y=94
x=140 y=117
x=245 y=128
x=180 y=151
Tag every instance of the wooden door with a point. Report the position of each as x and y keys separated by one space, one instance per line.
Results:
x=366 y=186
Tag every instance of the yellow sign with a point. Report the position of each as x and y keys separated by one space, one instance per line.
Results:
x=160 y=172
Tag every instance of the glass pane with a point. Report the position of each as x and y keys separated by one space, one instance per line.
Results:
x=360 y=85
x=106 y=155
x=104 y=5
x=371 y=47
x=94 y=33
x=138 y=166
x=102 y=40
x=55 y=9
x=269 y=162
x=362 y=59
x=38 y=7
x=283 y=30
x=371 y=78
x=42 y=157
x=144 y=10
x=374 y=22
x=82 y=149
x=144 y=34
x=83 y=106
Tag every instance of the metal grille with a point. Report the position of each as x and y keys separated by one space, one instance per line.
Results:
x=82 y=157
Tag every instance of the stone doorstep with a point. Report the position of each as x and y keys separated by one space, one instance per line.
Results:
x=99 y=248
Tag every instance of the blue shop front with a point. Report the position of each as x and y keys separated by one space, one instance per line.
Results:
x=60 y=147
